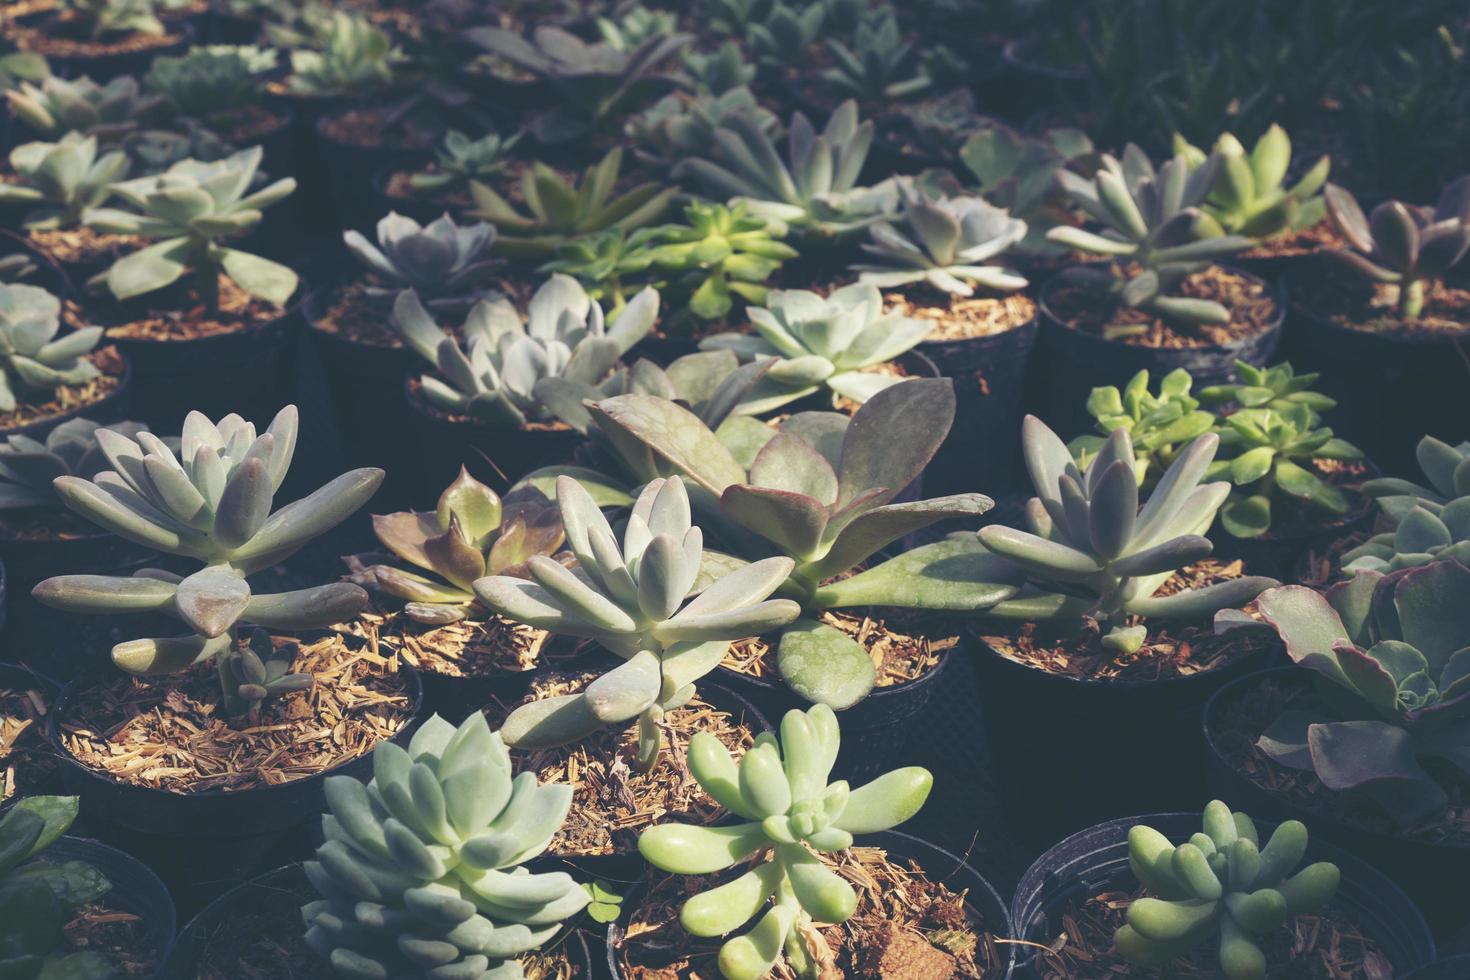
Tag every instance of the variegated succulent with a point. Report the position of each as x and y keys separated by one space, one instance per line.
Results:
x=446 y=264
x=33 y=358
x=29 y=466
x=943 y=242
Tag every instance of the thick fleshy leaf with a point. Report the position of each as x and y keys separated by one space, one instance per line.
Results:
x=211 y=600
x=690 y=850
x=1433 y=604
x=873 y=530
x=887 y=801
x=677 y=435
x=956 y=574
x=894 y=436
x=1374 y=755
x=824 y=665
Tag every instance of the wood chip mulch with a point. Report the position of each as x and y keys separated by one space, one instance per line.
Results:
x=25 y=756
x=238 y=311
x=70 y=246
x=901 y=650
x=468 y=648
x=121 y=938
x=1249 y=301
x=1321 y=563
x=69 y=398
x=170 y=736
x=1298 y=243
x=961 y=317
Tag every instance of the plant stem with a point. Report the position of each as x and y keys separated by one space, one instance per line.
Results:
x=1411 y=299
x=206 y=279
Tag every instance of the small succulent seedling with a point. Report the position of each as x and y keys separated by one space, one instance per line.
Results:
x=1159 y=425
x=789 y=811
x=444 y=263
x=632 y=598
x=1219 y=884
x=1427 y=523
x=471 y=534
x=28 y=466
x=32 y=357
x=460 y=159
x=104 y=18
x=59 y=181
x=1092 y=551
x=1401 y=244
x=422 y=872
x=1250 y=196
x=210 y=502
x=53 y=107
x=356 y=58
x=211 y=80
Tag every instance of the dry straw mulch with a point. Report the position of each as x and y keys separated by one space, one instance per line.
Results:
x=900 y=652
x=25 y=758
x=468 y=648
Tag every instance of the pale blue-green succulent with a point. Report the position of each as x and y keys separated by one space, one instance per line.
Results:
x=32 y=357
x=445 y=263
x=944 y=242
x=1428 y=523
x=59 y=181
x=28 y=466
x=52 y=107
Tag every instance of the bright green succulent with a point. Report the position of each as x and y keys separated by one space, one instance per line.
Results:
x=101 y=18
x=191 y=211
x=19 y=67
x=53 y=107
x=680 y=126
x=635 y=26
x=1158 y=425
x=28 y=466
x=212 y=79
x=32 y=357
x=630 y=597
x=1250 y=197
x=59 y=181
x=459 y=160
x=1018 y=173
x=717 y=254
x=944 y=242
x=423 y=874
x=1220 y=884
x=788 y=810
x=211 y=503
x=446 y=264
x=357 y=58
x=1277 y=388
x=878 y=64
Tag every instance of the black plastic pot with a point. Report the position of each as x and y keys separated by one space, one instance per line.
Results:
x=1087 y=863
x=1076 y=362
x=1100 y=746
x=939 y=866
x=135 y=888
x=103 y=67
x=115 y=407
x=286 y=884
x=17 y=677
x=1453 y=968
x=1436 y=876
x=350 y=169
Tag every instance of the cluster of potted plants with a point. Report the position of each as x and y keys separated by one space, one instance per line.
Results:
x=692 y=397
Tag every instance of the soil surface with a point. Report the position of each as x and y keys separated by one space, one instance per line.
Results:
x=1296 y=243
x=468 y=648
x=74 y=246
x=39 y=406
x=120 y=937
x=238 y=311
x=1252 y=311
x=961 y=317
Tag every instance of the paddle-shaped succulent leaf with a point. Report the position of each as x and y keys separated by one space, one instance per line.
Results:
x=1250 y=196
x=446 y=264
x=210 y=502
x=1091 y=550
x=1392 y=663
x=52 y=107
x=632 y=597
x=472 y=533
x=1222 y=885
x=1159 y=425
x=459 y=160
x=356 y=58
x=28 y=466
x=788 y=810
x=1402 y=244
x=33 y=359
x=58 y=181
x=421 y=873
x=944 y=242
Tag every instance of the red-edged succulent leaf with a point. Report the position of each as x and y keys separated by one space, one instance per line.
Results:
x=792 y=521
x=894 y=436
x=1433 y=605
x=1309 y=627
x=452 y=555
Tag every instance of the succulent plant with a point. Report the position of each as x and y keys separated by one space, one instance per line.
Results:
x=58 y=181
x=421 y=873
x=560 y=211
x=356 y=59
x=779 y=790
x=212 y=79
x=1278 y=388
x=597 y=86
x=1445 y=473
x=101 y=18
x=1151 y=218
x=1426 y=523
x=630 y=598
x=814 y=190
x=445 y=264
x=1387 y=652
x=1401 y=244
x=494 y=376
x=944 y=243
x=1159 y=426
x=28 y=466
x=609 y=264
x=459 y=160
x=1091 y=551
x=55 y=106
x=37 y=895
x=190 y=211
x=635 y=25
x=782 y=39
x=1220 y=884
x=19 y=67
x=717 y=253
x=1250 y=197
x=823 y=342
x=472 y=533
x=1018 y=173
x=879 y=64
x=32 y=357
x=719 y=71
x=17 y=266
x=679 y=126
x=210 y=503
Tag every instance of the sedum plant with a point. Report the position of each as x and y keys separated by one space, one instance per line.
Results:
x=558 y=211
x=29 y=466
x=356 y=58
x=33 y=359
x=53 y=107
x=472 y=533
x=495 y=375
x=679 y=126
x=878 y=65
x=423 y=874
x=1220 y=884
x=1250 y=196
x=944 y=243
x=1278 y=388
x=210 y=503
x=822 y=342
x=1400 y=244
x=630 y=597
x=1092 y=551
x=1387 y=652
x=59 y=181
x=211 y=80
x=191 y=211
x=444 y=263
x=717 y=254
x=1151 y=218
x=103 y=18
x=459 y=160
x=1159 y=426
x=787 y=811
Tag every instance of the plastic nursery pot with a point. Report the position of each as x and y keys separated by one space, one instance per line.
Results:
x=115 y=406
x=350 y=167
x=1029 y=83
x=1077 y=361
x=1452 y=968
x=135 y=888
x=1436 y=875
x=17 y=677
x=103 y=64
x=48 y=274
x=1107 y=747
x=1096 y=860
x=939 y=866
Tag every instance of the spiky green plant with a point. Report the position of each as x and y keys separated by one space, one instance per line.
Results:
x=59 y=181
x=1159 y=426
x=29 y=466
x=944 y=242
x=1250 y=196
x=879 y=64
x=446 y=264
x=33 y=359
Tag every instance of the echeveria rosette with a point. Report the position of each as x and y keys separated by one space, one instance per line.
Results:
x=944 y=242
x=53 y=107
x=447 y=264
x=819 y=490
x=1427 y=523
x=1250 y=196
x=210 y=502
x=1018 y=173
x=1219 y=885
x=1391 y=654
x=822 y=342
x=1091 y=550
x=472 y=533
x=460 y=159
x=33 y=358
x=59 y=181
x=681 y=125
x=789 y=814
x=29 y=466
x=632 y=597
x=1159 y=425
x=422 y=873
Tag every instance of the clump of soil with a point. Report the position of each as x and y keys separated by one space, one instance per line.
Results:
x=1252 y=311
x=238 y=311
x=468 y=648
x=1375 y=310
x=901 y=648
x=26 y=760
x=67 y=399
x=963 y=317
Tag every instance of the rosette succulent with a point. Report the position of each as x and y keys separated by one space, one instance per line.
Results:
x=210 y=503
x=459 y=160
x=632 y=597
x=1427 y=523
x=1277 y=388
x=1019 y=173
x=59 y=181
x=1389 y=657
x=211 y=80
x=422 y=871
x=1091 y=551
x=1220 y=884
x=822 y=342
x=356 y=58
x=101 y=18
x=33 y=359
x=28 y=466
x=944 y=242
x=786 y=807
x=1250 y=196
x=446 y=264
x=472 y=533
x=679 y=126
x=55 y=106
x=879 y=64
x=609 y=264
x=1159 y=426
